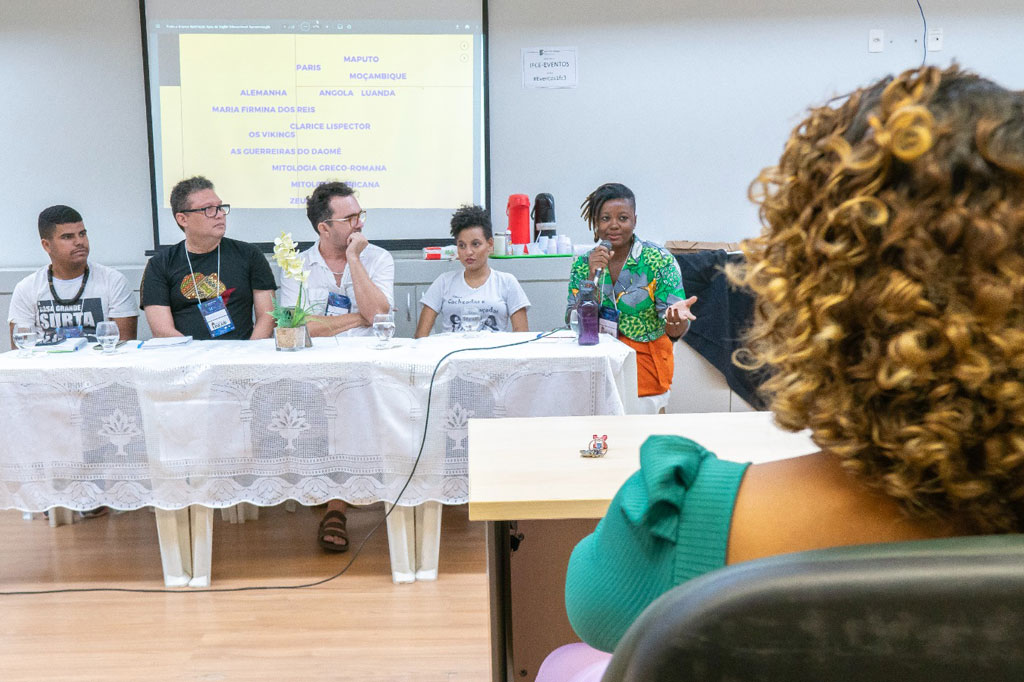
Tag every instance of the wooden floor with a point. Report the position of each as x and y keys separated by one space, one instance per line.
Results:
x=360 y=626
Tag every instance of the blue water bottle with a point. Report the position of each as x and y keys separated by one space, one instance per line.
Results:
x=587 y=310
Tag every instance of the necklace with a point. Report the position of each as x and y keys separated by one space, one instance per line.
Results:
x=57 y=299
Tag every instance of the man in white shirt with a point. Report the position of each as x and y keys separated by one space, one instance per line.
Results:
x=71 y=294
x=350 y=281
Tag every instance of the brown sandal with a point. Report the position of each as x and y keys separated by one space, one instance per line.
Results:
x=333 y=525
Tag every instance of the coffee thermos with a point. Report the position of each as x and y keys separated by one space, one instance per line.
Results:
x=543 y=216
x=518 y=212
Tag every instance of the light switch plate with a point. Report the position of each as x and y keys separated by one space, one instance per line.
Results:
x=934 y=39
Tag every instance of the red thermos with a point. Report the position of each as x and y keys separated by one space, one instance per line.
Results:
x=518 y=213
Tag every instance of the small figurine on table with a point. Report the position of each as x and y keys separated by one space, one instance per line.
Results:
x=598 y=447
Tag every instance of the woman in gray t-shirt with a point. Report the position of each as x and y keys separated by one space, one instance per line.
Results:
x=496 y=296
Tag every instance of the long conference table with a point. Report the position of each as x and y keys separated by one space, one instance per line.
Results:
x=213 y=424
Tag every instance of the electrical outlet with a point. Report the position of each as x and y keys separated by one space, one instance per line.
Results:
x=934 y=39
x=876 y=40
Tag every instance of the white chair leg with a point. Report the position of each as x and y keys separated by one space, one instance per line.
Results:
x=61 y=516
x=229 y=514
x=202 y=544
x=248 y=512
x=402 y=543
x=172 y=529
x=428 y=539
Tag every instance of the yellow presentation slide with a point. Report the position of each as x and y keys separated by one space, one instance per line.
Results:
x=269 y=117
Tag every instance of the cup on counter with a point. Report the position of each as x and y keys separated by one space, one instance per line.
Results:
x=541 y=245
x=499 y=243
x=518 y=249
x=564 y=244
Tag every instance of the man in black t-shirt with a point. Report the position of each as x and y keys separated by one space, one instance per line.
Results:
x=207 y=286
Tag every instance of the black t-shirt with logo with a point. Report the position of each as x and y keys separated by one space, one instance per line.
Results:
x=243 y=269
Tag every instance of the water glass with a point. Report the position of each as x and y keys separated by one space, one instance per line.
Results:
x=469 y=321
x=384 y=328
x=26 y=336
x=574 y=321
x=316 y=300
x=108 y=335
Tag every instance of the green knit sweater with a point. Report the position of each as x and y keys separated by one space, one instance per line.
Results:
x=668 y=523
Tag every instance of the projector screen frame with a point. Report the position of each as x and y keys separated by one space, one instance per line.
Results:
x=268 y=247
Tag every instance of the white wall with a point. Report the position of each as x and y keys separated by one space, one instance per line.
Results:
x=73 y=126
x=686 y=101
x=683 y=101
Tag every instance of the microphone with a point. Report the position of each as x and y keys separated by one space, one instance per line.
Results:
x=599 y=273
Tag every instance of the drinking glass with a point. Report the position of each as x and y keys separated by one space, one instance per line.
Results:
x=469 y=322
x=26 y=336
x=316 y=300
x=574 y=321
x=384 y=328
x=108 y=335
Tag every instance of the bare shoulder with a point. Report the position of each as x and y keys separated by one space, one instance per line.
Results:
x=810 y=502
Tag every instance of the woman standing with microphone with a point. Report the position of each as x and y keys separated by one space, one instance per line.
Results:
x=641 y=289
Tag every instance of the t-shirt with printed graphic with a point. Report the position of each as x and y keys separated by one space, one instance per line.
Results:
x=497 y=299
x=243 y=269
x=106 y=296
x=648 y=284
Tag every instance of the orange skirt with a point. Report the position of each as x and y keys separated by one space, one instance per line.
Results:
x=655 y=364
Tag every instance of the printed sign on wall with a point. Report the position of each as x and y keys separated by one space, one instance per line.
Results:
x=553 y=67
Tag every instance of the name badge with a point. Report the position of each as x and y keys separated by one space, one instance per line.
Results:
x=608 y=321
x=75 y=331
x=338 y=304
x=216 y=316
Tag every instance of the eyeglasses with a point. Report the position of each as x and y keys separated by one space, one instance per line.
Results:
x=209 y=211
x=352 y=220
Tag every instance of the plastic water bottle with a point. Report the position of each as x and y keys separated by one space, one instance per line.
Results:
x=587 y=309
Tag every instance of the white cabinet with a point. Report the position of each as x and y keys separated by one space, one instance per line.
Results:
x=407 y=308
x=545 y=281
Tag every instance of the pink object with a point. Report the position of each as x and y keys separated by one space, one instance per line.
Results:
x=573 y=663
x=518 y=212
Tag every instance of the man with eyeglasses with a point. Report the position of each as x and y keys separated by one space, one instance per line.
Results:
x=71 y=295
x=207 y=286
x=350 y=281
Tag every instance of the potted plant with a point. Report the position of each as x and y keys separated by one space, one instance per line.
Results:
x=290 y=331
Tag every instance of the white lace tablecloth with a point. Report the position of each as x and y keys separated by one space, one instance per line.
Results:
x=222 y=422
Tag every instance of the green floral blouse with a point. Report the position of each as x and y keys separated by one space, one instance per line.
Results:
x=648 y=284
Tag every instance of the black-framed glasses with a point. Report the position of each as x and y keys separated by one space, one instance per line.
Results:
x=209 y=211
x=352 y=220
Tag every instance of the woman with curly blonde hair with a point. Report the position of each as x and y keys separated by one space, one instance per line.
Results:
x=889 y=279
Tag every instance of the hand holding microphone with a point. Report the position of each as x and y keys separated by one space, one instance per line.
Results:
x=599 y=258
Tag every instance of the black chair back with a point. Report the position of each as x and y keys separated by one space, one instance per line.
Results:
x=929 y=611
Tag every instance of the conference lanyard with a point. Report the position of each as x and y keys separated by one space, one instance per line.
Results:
x=214 y=312
x=192 y=272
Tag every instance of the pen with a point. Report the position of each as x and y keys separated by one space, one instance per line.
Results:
x=140 y=344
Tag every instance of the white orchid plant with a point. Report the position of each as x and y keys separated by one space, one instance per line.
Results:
x=286 y=253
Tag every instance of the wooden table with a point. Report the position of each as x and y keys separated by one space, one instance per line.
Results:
x=531 y=469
